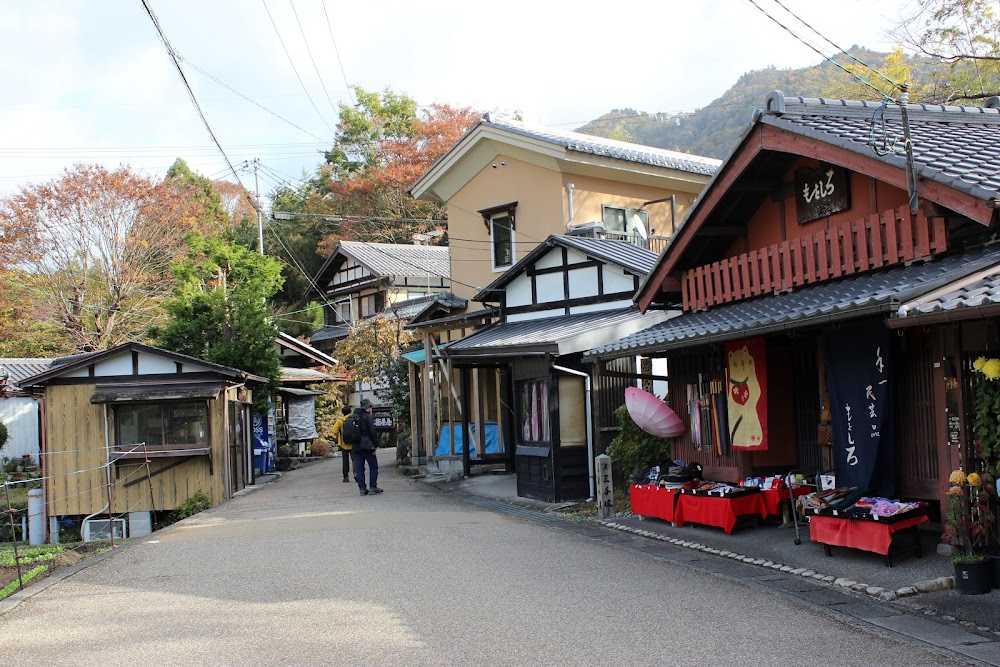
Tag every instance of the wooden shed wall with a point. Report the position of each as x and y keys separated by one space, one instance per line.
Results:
x=76 y=458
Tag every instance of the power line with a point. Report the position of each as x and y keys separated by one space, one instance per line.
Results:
x=340 y=61
x=821 y=54
x=230 y=88
x=290 y=62
x=305 y=41
x=187 y=86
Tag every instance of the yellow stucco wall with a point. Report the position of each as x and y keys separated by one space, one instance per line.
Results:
x=539 y=196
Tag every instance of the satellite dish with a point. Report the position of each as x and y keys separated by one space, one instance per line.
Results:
x=640 y=228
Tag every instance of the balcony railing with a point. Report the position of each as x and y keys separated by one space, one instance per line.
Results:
x=653 y=243
x=862 y=245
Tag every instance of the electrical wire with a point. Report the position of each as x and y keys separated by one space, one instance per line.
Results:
x=340 y=61
x=305 y=41
x=294 y=69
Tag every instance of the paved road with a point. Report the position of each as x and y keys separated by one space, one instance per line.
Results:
x=306 y=572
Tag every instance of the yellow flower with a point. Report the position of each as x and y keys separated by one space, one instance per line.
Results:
x=973 y=479
x=991 y=369
x=955 y=491
x=979 y=363
x=956 y=477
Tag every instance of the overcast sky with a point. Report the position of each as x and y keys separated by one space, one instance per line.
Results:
x=91 y=81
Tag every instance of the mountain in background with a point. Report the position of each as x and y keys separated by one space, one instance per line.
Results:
x=714 y=130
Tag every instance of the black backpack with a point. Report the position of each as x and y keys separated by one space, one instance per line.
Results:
x=352 y=429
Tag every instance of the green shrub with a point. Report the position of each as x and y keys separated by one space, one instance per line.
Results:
x=634 y=448
x=199 y=502
x=3 y=434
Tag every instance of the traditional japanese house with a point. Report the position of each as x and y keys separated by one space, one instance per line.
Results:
x=831 y=306
x=508 y=185
x=137 y=430
x=561 y=299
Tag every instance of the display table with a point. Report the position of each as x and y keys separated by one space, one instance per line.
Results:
x=718 y=511
x=873 y=536
x=652 y=500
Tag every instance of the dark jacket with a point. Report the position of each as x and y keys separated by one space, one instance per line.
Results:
x=369 y=436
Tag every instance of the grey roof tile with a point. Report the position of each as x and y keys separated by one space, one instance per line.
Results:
x=398 y=259
x=544 y=331
x=870 y=293
x=619 y=150
x=982 y=292
x=957 y=146
x=24 y=367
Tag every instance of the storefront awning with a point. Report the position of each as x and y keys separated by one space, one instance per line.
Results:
x=416 y=356
x=161 y=391
x=565 y=334
x=870 y=294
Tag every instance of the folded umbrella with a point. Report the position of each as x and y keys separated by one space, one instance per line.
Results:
x=651 y=414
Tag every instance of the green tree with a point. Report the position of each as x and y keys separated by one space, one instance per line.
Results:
x=371 y=347
x=965 y=36
x=218 y=310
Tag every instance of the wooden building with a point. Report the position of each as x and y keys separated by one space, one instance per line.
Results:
x=858 y=296
x=561 y=299
x=136 y=429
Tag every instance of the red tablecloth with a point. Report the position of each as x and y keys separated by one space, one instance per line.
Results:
x=874 y=536
x=773 y=497
x=651 y=500
x=717 y=511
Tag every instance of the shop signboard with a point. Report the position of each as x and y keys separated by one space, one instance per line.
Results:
x=605 y=487
x=747 y=394
x=821 y=192
x=383 y=418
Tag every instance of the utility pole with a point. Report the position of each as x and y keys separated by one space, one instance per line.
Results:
x=911 y=175
x=260 y=217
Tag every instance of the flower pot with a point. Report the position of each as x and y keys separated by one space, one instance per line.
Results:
x=974 y=578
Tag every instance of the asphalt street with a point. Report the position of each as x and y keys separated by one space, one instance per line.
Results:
x=305 y=571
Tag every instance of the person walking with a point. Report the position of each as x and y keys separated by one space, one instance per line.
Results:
x=364 y=451
x=338 y=436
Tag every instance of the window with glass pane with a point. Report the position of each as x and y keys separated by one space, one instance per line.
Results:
x=172 y=424
x=503 y=241
x=343 y=312
x=534 y=411
x=618 y=219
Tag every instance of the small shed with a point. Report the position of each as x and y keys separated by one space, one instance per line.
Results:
x=136 y=430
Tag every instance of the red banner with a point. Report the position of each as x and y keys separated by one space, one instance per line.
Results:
x=747 y=383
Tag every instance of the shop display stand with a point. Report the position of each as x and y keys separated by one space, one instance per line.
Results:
x=833 y=529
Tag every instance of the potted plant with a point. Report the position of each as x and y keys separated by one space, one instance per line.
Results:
x=986 y=405
x=967 y=523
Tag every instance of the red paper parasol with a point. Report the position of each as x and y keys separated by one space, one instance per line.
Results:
x=651 y=414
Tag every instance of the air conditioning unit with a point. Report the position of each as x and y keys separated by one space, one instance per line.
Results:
x=100 y=529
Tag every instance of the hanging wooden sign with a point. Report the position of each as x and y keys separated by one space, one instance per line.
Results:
x=821 y=192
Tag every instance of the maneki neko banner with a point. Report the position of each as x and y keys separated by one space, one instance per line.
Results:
x=746 y=376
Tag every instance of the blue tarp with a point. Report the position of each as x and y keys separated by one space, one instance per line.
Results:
x=444 y=441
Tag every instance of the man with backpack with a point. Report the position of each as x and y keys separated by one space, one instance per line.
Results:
x=360 y=433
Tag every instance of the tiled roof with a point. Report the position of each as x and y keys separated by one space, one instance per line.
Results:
x=867 y=294
x=406 y=310
x=335 y=332
x=549 y=331
x=397 y=259
x=21 y=368
x=619 y=150
x=953 y=145
x=304 y=375
x=625 y=254
x=968 y=295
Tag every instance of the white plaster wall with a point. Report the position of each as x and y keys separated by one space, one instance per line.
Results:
x=541 y=315
x=583 y=282
x=150 y=364
x=118 y=365
x=599 y=307
x=519 y=292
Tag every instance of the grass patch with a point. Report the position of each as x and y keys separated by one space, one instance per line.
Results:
x=589 y=508
x=29 y=555
x=9 y=589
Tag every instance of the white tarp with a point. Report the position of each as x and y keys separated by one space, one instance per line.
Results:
x=20 y=416
x=301 y=418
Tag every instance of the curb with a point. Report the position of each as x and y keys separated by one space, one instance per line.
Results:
x=877 y=592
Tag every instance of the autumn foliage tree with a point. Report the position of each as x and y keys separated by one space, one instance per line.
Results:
x=385 y=142
x=95 y=246
x=371 y=347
